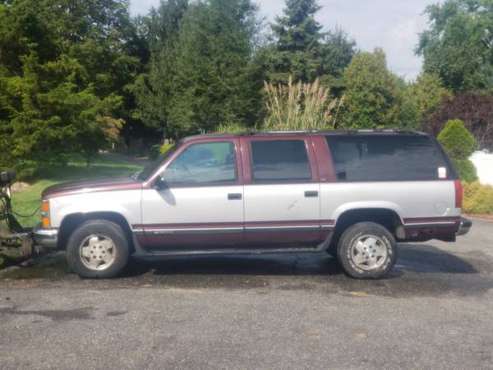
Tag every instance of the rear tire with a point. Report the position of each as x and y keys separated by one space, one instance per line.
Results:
x=98 y=249
x=367 y=250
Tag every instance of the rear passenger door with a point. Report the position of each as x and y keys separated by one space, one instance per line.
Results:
x=282 y=203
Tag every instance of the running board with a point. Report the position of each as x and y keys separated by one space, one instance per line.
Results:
x=162 y=253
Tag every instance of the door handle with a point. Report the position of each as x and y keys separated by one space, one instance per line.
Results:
x=234 y=196
x=311 y=194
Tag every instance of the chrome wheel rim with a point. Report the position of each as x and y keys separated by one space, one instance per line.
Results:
x=97 y=252
x=369 y=252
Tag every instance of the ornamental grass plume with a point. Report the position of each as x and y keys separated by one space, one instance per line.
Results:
x=300 y=106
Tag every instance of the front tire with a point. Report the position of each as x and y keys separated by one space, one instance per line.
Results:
x=367 y=250
x=98 y=249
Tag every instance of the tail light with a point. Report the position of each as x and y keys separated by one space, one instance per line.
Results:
x=459 y=193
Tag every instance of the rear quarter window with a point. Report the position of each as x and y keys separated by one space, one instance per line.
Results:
x=388 y=158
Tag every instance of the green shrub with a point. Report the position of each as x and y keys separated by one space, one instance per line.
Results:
x=165 y=147
x=459 y=144
x=457 y=141
x=478 y=199
x=466 y=170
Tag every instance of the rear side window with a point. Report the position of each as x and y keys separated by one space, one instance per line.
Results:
x=280 y=160
x=387 y=158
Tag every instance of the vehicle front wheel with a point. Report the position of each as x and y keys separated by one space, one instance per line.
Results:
x=367 y=250
x=98 y=249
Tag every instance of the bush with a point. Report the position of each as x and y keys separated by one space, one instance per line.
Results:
x=459 y=144
x=478 y=199
x=457 y=141
x=165 y=147
x=466 y=169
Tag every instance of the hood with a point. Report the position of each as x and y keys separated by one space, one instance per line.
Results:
x=89 y=186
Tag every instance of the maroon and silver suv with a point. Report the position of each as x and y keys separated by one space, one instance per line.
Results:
x=351 y=194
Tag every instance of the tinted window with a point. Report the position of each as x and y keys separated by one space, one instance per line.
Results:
x=386 y=158
x=280 y=160
x=154 y=165
x=202 y=164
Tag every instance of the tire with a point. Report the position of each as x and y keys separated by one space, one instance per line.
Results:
x=367 y=250
x=98 y=249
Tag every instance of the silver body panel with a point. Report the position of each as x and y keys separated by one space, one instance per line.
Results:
x=201 y=205
x=417 y=199
x=262 y=203
x=281 y=202
x=127 y=203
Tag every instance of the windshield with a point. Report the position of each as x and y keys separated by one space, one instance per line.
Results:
x=154 y=165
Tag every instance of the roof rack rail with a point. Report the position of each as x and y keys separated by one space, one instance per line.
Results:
x=253 y=132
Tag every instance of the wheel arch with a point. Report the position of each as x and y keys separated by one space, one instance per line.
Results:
x=388 y=217
x=71 y=221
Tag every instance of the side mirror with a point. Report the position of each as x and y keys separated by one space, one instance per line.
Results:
x=160 y=184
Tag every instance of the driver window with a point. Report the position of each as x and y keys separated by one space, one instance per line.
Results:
x=203 y=164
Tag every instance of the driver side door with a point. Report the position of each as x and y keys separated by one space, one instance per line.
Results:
x=200 y=201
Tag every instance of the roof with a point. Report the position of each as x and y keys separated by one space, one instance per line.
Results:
x=313 y=132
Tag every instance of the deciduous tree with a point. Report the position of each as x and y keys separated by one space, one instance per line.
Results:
x=458 y=46
x=372 y=95
x=474 y=109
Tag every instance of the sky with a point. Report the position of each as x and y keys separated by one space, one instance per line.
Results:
x=393 y=25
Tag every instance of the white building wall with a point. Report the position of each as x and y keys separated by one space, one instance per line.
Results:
x=483 y=161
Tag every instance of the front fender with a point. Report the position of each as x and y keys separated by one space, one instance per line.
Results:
x=125 y=203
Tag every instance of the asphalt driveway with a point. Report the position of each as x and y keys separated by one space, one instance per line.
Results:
x=434 y=311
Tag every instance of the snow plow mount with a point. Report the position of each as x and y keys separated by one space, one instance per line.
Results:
x=16 y=242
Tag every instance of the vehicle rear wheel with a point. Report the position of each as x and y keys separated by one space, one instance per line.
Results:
x=98 y=249
x=367 y=250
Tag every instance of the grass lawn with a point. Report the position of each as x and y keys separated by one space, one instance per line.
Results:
x=26 y=201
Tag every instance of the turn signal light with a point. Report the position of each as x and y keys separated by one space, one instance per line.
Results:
x=45 y=206
x=45 y=214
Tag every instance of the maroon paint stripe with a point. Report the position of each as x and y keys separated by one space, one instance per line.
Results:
x=424 y=220
x=93 y=190
x=233 y=224
x=282 y=223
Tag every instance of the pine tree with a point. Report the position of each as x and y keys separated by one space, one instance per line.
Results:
x=214 y=82
x=297 y=51
x=153 y=89
x=301 y=51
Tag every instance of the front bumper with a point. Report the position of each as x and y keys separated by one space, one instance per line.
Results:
x=45 y=237
x=464 y=227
